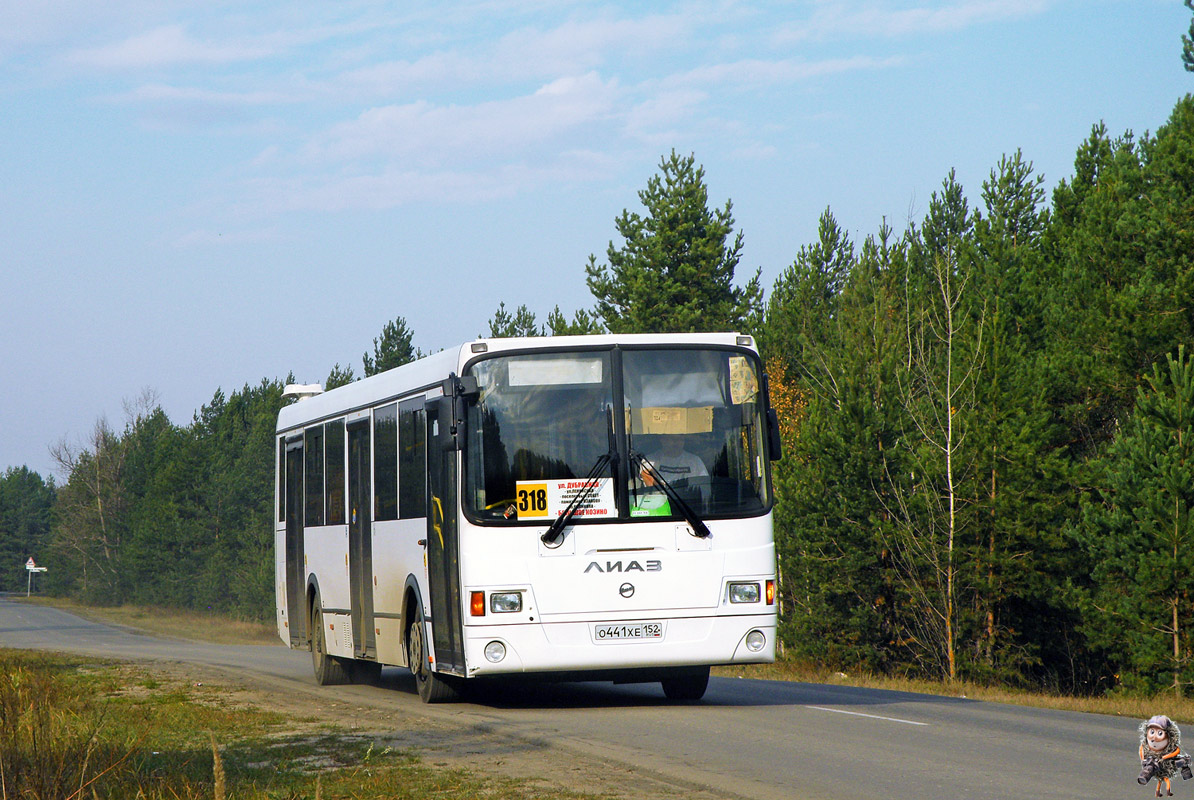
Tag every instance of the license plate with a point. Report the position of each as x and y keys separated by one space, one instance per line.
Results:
x=628 y=632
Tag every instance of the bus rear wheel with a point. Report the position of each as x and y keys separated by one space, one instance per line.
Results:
x=329 y=670
x=687 y=686
x=432 y=688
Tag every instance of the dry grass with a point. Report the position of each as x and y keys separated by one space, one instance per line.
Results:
x=174 y=623
x=75 y=730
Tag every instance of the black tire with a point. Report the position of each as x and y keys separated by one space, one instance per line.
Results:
x=432 y=688
x=687 y=686
x=329 y=670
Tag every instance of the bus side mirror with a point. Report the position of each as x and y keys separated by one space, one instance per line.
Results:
x=451 y=410
x=445 y=438
x=774 y=443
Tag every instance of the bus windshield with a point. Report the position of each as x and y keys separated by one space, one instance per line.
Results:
x=672 y=427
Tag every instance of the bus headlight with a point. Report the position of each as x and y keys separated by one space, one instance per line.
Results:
x=744 y=592
x=495 y=652
x=505 y=602
x=755 y=641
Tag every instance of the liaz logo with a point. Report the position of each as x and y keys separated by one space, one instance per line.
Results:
x=631 y=566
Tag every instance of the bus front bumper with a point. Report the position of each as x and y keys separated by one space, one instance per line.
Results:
x=603 y=645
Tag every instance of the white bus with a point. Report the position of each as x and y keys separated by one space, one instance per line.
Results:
x=579 y=508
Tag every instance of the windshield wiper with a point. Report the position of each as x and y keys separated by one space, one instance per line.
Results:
x=579 y=499
x=699 y=528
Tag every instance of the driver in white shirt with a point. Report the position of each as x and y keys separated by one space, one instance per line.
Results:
x=673 y=462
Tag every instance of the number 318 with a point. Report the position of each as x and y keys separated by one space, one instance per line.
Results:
x=532 y=500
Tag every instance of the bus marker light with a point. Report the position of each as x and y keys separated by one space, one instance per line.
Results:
x=755 y=641
x=744 y=592
x=770 y=593
x=495 y=652
x=505 y=602
x=477 y=604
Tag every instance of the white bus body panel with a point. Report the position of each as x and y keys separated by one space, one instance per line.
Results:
x=568 y=594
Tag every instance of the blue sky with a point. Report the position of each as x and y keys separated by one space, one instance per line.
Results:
x=196 y=195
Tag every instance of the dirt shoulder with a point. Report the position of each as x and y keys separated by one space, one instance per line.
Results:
x=443 y=741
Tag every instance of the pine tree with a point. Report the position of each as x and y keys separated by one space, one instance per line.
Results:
x=521 y=323
x=831 y=350
x=339 y=376
x=582 y=323
x=25 y=503
x=1188 y=43
x=675 y=270
x=1139 y=533
x=392 y=349
x=1123 y=250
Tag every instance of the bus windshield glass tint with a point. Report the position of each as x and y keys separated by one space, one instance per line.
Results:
x=539 y=425
x=697 y=418
x=690 y=418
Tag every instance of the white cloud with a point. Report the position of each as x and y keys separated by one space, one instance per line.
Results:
x=757 y=72
x=656 y=119
x=577 y=46
x=189 y=108
x=163 y=93
x=428 y=134
x=169 y=45
x=850 y=18
x=574 y=47
x=398 y=77
x=397 y=186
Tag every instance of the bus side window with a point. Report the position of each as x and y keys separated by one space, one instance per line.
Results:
x=412 y=459
x=334 y=471
x=281 y=479
x=313 y=450
x=385 y=463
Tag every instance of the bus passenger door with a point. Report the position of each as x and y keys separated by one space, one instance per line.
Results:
x=360 y=542
x=443 y=550
x=296 y=599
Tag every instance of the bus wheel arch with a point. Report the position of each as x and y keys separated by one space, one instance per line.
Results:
x=411 y=601
x=310 y=606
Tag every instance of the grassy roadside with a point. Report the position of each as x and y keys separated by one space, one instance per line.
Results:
x=170 y=622
x=77 y=728
x=219 y=629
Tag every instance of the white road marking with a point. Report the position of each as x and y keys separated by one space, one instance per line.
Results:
x=871 y=716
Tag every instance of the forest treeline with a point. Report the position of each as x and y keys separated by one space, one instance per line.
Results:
x=988 y=420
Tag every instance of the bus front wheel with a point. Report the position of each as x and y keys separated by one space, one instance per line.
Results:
x=433 y=688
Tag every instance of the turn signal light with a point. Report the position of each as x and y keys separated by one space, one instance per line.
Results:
x=770 y=593
x=476 y=604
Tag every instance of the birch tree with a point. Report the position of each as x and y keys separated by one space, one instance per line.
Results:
x=926 y=502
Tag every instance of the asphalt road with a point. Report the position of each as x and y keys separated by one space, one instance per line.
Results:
x=747 y=738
